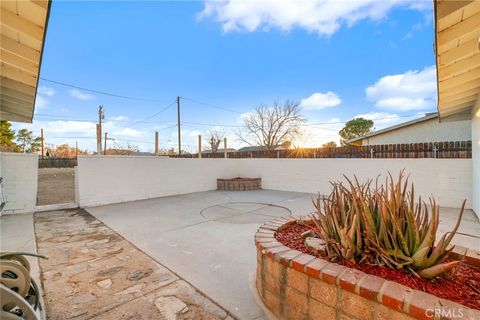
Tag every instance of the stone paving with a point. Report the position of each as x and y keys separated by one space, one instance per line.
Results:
x=92 y=272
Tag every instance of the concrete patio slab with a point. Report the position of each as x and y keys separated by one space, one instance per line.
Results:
x=17 y=235
x=217 y=255
x=216 y=252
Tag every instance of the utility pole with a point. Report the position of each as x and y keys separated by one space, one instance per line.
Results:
x=41 y=134
x=76 y=149
x=99 y=147
x=179 y=130
x=105 y=148
x=99 y=129
x=156 y=143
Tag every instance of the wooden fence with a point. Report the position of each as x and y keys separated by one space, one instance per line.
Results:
x=57 y=162
x=440 y=150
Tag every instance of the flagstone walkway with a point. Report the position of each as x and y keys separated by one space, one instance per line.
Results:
x=93 y=272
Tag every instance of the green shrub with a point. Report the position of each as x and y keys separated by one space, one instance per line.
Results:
x=384 y=225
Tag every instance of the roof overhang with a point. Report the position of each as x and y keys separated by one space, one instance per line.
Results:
x=457 y=50
x=23 y=26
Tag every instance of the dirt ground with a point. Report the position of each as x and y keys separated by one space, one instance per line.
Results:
x=55 y=185
x=94 y=273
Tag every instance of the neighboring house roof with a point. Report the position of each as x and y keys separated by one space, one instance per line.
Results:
x=219 y=150
x=252 y=148
x=142 y=153
x=23 y=29
x=428 y=116
x=259 y=148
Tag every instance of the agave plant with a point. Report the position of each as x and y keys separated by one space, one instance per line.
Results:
x=384 y=225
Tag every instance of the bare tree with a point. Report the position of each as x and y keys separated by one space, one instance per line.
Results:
x=215 y=137
x=270 y=126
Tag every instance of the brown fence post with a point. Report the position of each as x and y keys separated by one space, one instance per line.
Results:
x=199 y=146
x=41 y=134
x=225 y=154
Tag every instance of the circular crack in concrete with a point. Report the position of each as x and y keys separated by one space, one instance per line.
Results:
x=244 y=212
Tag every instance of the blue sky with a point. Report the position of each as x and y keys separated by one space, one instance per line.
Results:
x=339 y=59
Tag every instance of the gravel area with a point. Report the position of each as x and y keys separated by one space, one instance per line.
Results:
x=55 y=185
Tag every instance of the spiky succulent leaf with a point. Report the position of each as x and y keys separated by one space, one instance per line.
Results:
x=437 y=270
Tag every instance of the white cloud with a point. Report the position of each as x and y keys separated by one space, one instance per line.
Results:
x=71 y=127
x=46 y=91
x=382 y=117
x=427 y=21
x=383 y=120
x=81 y=95
x=194 y=133
x=318 y=101
x=412 y=90
x=41 y=102
x=119 y=118
x=127 y=132
x=324 y=17
x=243 y=116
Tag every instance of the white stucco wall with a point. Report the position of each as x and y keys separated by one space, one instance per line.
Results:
x=476 y=157
x=427 y=131
x=20 y=176
x=103 y=180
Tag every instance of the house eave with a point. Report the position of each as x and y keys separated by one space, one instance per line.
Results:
x=23 y=30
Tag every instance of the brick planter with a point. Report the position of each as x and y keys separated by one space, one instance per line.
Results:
x=239 y=184
x=294 y=285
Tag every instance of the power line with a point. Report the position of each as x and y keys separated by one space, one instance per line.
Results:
x=211 y=105
x=374 y=119
x=61 y=118
x=157 y=113
x=304 y=124
x=213 y=124
x=94 y=138
x=128 y=140
x=98 y=91
x=173 y=125
x=184 y=98
x=120 y=139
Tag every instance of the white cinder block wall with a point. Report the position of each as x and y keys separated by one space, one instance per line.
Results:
x=20 y=176
x=104 y=180
x=476 y=157
x=112 y=179
x=449 y=180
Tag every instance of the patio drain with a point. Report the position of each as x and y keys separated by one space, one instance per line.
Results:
x=244 y=212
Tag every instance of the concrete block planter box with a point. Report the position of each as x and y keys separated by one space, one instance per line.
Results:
x=294 y=285
x=239 y=184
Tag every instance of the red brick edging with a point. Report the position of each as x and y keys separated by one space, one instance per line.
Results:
x=294 y=285
x=239 y=184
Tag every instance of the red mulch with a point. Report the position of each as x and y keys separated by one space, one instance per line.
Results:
x=460 y=289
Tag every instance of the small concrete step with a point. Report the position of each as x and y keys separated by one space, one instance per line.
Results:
x=58 y=206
